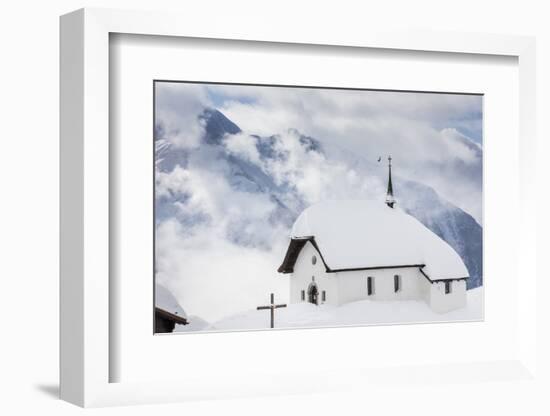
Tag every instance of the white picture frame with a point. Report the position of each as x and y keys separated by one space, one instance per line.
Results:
x=86 y=356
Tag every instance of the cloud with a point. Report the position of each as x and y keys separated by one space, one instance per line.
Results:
x=424 y=133
x=213 y=276
x=210 y=278
x=243 y=145
x=177 y=110
x=313 y=176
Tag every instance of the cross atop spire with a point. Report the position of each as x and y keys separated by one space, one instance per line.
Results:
x=390 y=200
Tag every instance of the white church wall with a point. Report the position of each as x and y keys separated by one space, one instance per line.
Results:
x=442 y=302
x=352 y=285
x=305 y=272
x=425 y=287
x=349 y=286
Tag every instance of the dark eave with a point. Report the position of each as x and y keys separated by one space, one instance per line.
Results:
x=296 y=245
x=353 y=269
x=294 y=248
x=440 y=280
x=170 y=316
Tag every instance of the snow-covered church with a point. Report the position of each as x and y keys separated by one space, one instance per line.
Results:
x=345 y=251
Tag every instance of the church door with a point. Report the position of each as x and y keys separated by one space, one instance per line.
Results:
x=313 y=294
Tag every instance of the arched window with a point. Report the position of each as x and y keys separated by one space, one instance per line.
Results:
x=370 y=285
x=448 y=286
x=313 y=260
x=396 y=283
x=313 y=294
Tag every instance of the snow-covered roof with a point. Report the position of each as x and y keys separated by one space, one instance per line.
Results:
x=369 y=234
x=167 y=302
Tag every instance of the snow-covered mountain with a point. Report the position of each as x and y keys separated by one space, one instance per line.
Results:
x=264 y=167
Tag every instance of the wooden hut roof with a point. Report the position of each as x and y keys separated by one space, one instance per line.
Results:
x=170 y=316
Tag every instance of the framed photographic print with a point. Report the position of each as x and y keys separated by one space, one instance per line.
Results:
x=252 y=215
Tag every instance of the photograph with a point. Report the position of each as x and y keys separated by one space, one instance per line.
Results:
x=286 y=207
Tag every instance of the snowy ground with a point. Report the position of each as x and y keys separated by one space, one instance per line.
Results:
x=367 y=312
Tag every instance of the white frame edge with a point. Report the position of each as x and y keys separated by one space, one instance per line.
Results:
x=84 y=177
x=71 y=345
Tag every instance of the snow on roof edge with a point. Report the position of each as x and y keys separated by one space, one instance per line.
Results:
x=347 y=230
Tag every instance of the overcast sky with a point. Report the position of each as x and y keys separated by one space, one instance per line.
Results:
x=306 y=108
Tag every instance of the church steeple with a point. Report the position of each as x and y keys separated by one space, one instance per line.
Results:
x=390 y=200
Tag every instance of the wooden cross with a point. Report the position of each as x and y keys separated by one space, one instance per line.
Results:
x=272 y=307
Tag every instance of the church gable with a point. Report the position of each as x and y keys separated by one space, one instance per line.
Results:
x=309 y=260
x=294 y=249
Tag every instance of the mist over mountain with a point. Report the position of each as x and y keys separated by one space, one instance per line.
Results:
x=248 y=189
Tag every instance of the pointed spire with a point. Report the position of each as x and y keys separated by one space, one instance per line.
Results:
x=390 y=200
